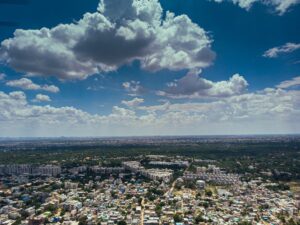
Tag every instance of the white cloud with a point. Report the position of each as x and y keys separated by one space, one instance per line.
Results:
x=276 y=51
x=193 y=86
x=14 y=107
x=268 y=111
x=119 y=33
x=258 y=108
x=2 y=76
x=134 y=102
x=42 y=98
x=27 y=84
x=296 y=62
x=281 y=6
x=245 y=4
x=284 y=5
x=134 y=88
x=289 y=83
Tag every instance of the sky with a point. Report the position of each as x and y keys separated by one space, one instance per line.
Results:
x=149 y=67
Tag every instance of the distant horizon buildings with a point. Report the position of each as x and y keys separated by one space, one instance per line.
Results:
x=155 y=174
x=212 y=174
x=28 y=169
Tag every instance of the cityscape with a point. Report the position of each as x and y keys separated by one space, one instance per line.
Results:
x=103 y=186
x=149 y=112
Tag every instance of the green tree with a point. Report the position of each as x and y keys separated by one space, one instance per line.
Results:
x=83 y=220
x=158 y=209
x=17 y=222
x=177 y=218
x=244 y=223
x=208 y=192
x=199 y=218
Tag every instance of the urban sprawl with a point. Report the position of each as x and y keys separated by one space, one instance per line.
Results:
x=148 y=190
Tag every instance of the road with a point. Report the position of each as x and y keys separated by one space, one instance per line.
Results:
x=173 y=185
x=171 y=189
x=142 y=211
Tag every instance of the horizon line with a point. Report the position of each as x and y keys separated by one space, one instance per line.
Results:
x=141 y=136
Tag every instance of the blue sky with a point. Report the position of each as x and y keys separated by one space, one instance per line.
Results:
x=226 y=83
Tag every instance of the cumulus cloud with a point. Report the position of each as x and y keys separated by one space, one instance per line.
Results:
x=245 y=4
x=269 y=104
x=42 y=98
x=119 y=33
x=27 y=84
x=273 y=110
x=19 y=117
x=134 y=88
x=281 y=6
x=194 y=86
x=276 y=51
x=14 y=106
x=2 y=76
x=134 y=102
x=289 y=83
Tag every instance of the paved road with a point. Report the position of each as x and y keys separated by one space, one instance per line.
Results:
x=171 y=189
x=173 y=185
x=142 y=211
